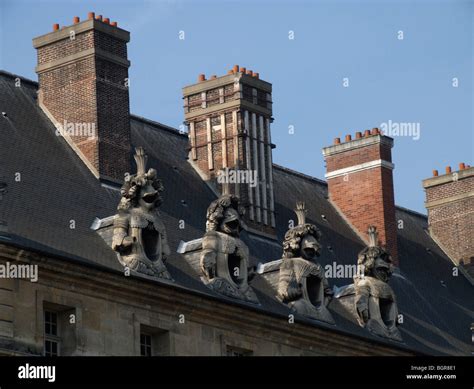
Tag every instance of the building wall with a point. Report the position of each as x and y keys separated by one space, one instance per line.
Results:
x=110 y=309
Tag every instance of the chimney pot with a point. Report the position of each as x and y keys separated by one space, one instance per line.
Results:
x=236 y=68
x=375 y=131
x=358 y=135
x=91 y=15
x=448 y=169
x=107 y=20
x=348 y=138
x=202 y=77
x=249 y=72
x=435 y=173
x=114 y=24
x=256 y=75
x=337 y=141
x=213 y=77
x=243 y=70
x=55 y=27
x=462 y=166
x=76 y=19
x=366 y=133
x=98 y=17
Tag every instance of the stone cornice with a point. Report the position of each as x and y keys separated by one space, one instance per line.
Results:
x=99 y=53
x=451 y=177
x=358 y=143
x=226 y=80
x=78 y=28
x=451 y=199
x=360 y=167
x=230 y=105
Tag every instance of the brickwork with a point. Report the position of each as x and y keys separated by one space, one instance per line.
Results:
x=89 y=90
x=450 y=203
x=205 y=103
x=365 y=195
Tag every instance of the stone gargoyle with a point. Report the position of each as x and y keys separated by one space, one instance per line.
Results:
x=375 y=301
x=139 y=235
x=302 y=284
x=220 y=256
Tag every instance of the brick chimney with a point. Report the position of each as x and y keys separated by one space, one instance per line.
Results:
x=229 y=131
x=450 y=205
x=360 y=184
x=83 y=89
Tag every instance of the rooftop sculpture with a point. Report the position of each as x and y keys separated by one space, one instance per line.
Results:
x=302 y=284
x=220 y=256
x=375 y=301
x=224 y=260
x=139 y=235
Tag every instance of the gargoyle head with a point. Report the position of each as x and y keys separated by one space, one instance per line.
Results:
x=224 y=215
x=375 y=260
x=142 y=189
x=303 y=239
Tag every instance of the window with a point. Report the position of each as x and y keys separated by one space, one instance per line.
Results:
x=145 y=345
x=154 y=341
x=59 y=329
x=51 y=339
x=238 y=352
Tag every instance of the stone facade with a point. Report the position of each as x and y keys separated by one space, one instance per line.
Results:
x=360 y=183
x=111 y=311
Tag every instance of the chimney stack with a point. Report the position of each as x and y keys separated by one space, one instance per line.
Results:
x=229 y=130
x=360 y=184
x=83 y=88
x=450 y=206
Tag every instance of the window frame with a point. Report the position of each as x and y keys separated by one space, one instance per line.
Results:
x=50 y=337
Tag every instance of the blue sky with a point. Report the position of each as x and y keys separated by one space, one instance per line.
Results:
x=407 y=80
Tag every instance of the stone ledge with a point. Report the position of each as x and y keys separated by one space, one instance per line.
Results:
x=451 y=177
x=78 y=28
x=358 y=143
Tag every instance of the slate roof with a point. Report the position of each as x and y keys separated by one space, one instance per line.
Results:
x=55 y=187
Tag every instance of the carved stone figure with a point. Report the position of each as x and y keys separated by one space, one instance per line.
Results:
x=224 y=259
x=302 y=284
x=375 y=301
x=139 y=235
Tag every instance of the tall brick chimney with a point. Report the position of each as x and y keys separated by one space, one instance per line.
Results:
x=229 y=130
x=360 y=184
x=83 y=88
x=450 y=205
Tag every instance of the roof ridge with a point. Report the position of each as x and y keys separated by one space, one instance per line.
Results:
x=299 y=174
x=13 y=75
x=415 y=213
x=160 y=125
